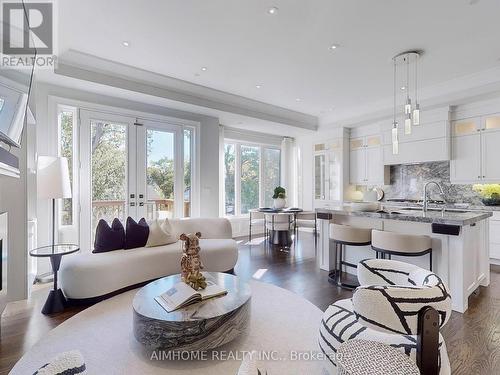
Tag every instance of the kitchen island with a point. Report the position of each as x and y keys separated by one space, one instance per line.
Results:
x=460 y=243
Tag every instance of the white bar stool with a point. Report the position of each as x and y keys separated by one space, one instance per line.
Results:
x=390 y=243
x=340 y=236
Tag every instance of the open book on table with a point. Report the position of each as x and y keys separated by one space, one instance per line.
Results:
x=182 y=295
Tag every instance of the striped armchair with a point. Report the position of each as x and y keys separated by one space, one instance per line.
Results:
x=385 y=308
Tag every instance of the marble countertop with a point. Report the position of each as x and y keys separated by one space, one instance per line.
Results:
x=415 y=214
x=451 y=206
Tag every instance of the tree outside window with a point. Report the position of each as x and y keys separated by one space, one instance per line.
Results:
x=259 y=171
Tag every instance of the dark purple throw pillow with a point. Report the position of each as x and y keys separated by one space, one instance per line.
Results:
x=137 y=233
x=109 y=238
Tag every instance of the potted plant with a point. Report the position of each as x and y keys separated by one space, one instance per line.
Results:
x=490 y=194
x=279 y=196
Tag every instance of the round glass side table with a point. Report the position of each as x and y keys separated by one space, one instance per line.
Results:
x=56 y=300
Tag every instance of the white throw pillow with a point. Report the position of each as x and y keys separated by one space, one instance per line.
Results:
x=160 y=233
x=65 y=363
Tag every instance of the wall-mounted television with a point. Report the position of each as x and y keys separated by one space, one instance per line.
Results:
x=13 y=105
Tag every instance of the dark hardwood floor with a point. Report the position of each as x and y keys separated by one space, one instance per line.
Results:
x=473 y=338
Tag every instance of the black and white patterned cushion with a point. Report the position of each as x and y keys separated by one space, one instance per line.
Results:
x=67 y=363
x=393 y=306
x=386 y=312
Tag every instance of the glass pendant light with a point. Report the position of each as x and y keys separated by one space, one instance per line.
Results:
x=395 y=137
x=411 y=114
x=416 y=111
x=408 y=100
x=408 y=124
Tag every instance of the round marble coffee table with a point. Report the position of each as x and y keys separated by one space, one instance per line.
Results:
x=202 y=326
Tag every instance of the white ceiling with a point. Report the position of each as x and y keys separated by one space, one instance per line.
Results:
x=288 y=53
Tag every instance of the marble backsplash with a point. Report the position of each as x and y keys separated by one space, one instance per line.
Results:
x=407 y=181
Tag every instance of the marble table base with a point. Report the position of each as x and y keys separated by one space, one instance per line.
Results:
x=192 y=335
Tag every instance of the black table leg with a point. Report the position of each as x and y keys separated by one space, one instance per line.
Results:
x=56 y=300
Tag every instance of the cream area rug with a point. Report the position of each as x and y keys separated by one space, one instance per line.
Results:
x=283 y=333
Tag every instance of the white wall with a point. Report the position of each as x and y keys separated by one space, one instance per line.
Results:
x=209 y=168
x=13 y=200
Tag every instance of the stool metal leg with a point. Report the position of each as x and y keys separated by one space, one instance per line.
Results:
x=333 y=274
x=344 y=263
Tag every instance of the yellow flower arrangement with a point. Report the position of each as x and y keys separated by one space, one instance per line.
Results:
x=487 y=190
x=490 y=193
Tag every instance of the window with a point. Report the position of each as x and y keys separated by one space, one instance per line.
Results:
x=249 y=164
x=188 y=173
x=66 y=148
x=251 y=172
x=271 y=174
x=229 y=174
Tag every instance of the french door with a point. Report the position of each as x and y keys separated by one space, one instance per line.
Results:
x=131 y=167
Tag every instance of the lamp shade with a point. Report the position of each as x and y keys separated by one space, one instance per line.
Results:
x=53 y=177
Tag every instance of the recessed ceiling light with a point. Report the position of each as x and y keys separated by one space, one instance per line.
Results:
x=298 y=100
x=126 y=43
x=258 y=86
x=272 y=10
x=203 y=68
x=403 y=88
x=333 y=47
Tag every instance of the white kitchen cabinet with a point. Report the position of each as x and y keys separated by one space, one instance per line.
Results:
x=357 y=170
x=466 y=158
x=366 y=161
x=495 y=238
x=375 y=166
x=475 y=150
x=328 y=171
x=490 y=156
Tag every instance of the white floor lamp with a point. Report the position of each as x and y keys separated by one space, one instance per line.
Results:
x=53 y=183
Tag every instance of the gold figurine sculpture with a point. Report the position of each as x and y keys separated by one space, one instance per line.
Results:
x=191 y=263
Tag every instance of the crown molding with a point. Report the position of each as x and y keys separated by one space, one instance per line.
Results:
x=90 y=68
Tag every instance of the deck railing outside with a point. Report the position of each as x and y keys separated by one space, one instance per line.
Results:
x=158 y=208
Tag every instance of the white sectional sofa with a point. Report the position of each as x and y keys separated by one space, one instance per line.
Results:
x=87 y=278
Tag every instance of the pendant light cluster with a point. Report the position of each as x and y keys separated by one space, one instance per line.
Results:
x=411 y=113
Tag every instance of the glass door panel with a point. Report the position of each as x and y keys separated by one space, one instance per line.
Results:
x=160 y=174
x=107 y=168
x=132 y=167
x=319 y=176
x=109 y=164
